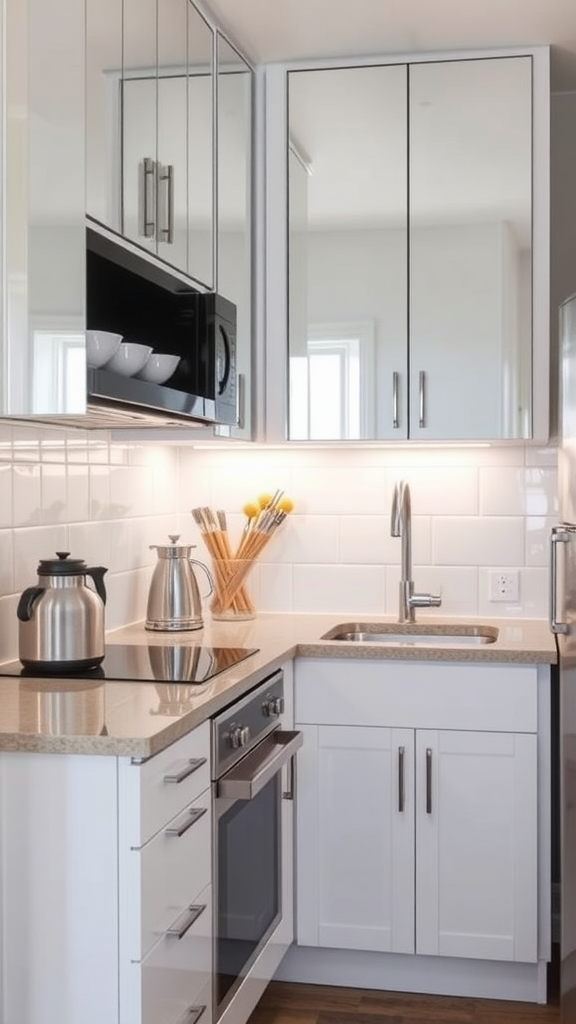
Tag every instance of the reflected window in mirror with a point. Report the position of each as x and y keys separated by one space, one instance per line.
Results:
x=332 y=384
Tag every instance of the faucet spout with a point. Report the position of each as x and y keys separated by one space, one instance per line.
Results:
x=401 y=526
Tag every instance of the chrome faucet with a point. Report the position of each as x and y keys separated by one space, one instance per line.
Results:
x=401 y=526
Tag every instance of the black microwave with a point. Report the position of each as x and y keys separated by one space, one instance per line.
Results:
x=146 y=302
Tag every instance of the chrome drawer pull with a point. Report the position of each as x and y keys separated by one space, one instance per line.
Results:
x=195 y=911
x=178 y=830
x=401 y=780
x=192 y=1015
x=193 y=765
x=395 y=388
x=428 y=780
x=149 y=225
x=422 y=398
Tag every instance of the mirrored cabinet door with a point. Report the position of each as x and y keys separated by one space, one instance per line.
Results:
x=103 y=83
x=42 y=209
x=171 y=151
x=234 y=191
x=347 y=258
x=139 y=122
x=470 y=286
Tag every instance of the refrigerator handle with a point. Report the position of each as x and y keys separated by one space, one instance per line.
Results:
x=558 y=536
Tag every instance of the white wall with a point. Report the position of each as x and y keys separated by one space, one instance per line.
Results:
x=473 y=509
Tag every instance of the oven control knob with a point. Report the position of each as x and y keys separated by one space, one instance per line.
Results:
x=239 y=736
x=273 y=707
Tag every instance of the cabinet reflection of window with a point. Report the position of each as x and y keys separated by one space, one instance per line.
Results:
x=59 y=372
x=331 y=386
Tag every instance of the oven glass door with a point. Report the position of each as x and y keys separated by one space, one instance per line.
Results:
x=249 y=885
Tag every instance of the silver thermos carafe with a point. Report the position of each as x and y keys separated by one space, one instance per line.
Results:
x=61 y=620
x=174 y=601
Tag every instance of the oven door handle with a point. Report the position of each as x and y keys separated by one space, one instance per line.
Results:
x=248 y=778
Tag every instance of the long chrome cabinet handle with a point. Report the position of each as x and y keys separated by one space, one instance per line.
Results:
x=422 y=398
x=558 y=536
x=401 y=779
x=428 y=780
x=193 y=765
x=194 y=815
x=149 y=198
x=395 y=392
x=180 y=932
x=166 y=233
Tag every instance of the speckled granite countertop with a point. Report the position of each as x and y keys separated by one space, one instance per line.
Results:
x=140 y=718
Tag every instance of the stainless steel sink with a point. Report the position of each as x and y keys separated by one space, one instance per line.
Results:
x=412 y=633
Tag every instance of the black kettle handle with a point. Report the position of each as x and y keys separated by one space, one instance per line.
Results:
x=27 y=598
x=97 y=574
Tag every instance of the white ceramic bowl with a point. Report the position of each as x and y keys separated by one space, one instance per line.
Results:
x=100 y=347
x=129 y=358
x=158 y=368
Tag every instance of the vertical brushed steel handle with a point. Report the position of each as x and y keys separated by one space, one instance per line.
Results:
x=558 y=536
x=401 y=779
x=166 y=175
x=241 y=401
x=288 y=794
x=428 y=780
x=395 y=391
x=422 y=398
x=148 y=194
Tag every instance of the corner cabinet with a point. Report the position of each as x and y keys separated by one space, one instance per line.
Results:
x=408 y=247
x=421 y=816
x=108 y=917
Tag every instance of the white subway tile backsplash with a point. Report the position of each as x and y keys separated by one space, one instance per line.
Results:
x=32 y=545
x=512 y=492
x=473 y=509
x=538 y=529
x=349 y=589
x=332 y=491
x=6 y=562
x=440 y=490
x=54 y=496
x=8 y=628
x=367 y=539
x=303 y=539
x=496 y=540
x=27 y=495
x=6 y=511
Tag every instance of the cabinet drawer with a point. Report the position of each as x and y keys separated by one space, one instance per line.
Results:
x=151 y=794
x=418 y=695
x=174 y=981
x=164 y=876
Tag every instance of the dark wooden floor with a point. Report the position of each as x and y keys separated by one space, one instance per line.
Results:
x=284 y=1003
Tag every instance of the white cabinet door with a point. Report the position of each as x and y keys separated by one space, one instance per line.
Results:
x=476 y=842
x=356 y=838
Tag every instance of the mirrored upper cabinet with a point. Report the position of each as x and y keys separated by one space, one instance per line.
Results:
x=410 y=269
x=150 y=134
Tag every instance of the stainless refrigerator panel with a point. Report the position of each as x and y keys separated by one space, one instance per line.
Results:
x=567 y=447
x=563 y=621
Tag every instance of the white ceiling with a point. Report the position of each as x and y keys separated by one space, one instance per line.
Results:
x=279 y=30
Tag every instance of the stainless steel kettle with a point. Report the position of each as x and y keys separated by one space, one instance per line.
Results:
x=174 y=600
x=61 y=621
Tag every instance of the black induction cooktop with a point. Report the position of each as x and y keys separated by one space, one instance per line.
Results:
x=191 y=663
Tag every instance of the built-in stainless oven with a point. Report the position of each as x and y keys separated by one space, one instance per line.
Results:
x=250 y=751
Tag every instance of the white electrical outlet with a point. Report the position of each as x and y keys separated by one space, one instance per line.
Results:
x=504 y=585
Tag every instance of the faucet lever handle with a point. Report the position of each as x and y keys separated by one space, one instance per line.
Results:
x=425 y=600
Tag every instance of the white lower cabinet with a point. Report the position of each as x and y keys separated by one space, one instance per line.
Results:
x=418 y=840
x=106 y=887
